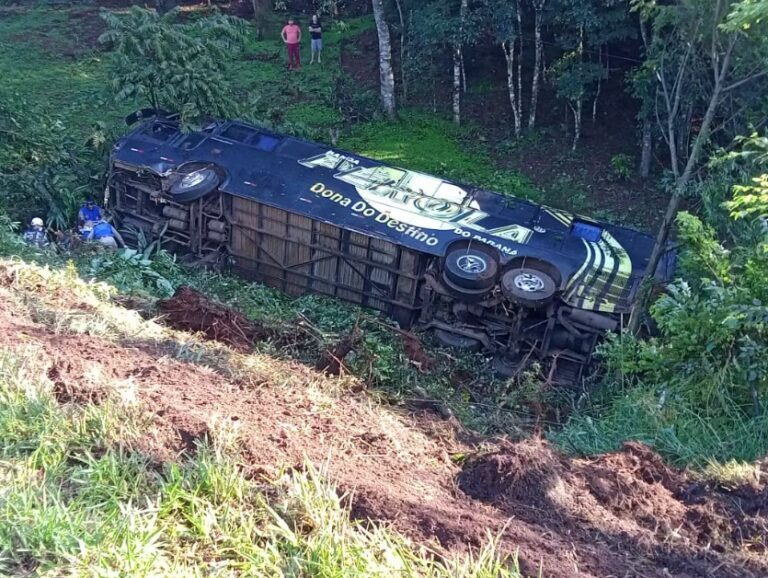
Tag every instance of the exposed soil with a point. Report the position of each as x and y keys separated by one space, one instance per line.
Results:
x=624 y=514
x=190 y=310
x=626 y=501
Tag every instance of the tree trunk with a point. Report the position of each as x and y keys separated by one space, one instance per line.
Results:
x=457 y=84
x=577 y=114
x=647 y=154
x=682 y=182
x=403 y=52
x=386 y=75
x=579 y=108
x=519 y=59
x=509 y=54
x=258 y=17
x=599 y=85
x=457 y=63
x=538 y=7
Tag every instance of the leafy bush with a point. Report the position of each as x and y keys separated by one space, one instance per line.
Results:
x=622 y=166
x=45 y=170
x=131 y=271
x=699 y=390
x=181 y=67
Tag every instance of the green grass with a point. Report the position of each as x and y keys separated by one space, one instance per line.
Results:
x=663 y=419
x=34 y=69
x=77 y=500
x=64 y=70
x=426 y=143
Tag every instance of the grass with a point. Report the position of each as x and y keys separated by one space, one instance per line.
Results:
x=74 y=86
x=666 y=421
x=463 y=385
x=79 y=498
x=65 y=70
x=429 y=144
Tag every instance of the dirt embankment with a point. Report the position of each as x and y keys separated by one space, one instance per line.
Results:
x=624 y=514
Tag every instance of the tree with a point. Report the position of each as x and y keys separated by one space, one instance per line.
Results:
x=387 y=78
x=46 y=169
x=177 y=66
x=458 y=60
x=538 y=43
x=586 y=27
x=703 y=52
x=506 y=19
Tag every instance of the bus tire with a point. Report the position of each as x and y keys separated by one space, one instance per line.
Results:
x=528 y=287
x=194 y=185
x=476 y=270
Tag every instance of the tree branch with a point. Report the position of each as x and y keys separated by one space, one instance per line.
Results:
x=745 y=80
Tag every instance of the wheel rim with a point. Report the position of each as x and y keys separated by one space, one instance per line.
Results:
x=193 y=179
x=471 y=264
x=529 y=282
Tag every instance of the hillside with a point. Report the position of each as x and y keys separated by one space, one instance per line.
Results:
x=104 y=410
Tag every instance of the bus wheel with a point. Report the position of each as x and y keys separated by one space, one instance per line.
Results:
x=528 y=287
x=473 y=269
x=194 y=184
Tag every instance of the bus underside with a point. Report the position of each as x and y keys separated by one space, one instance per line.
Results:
x=300 y=255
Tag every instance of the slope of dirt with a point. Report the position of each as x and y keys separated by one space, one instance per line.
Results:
x=624 y=514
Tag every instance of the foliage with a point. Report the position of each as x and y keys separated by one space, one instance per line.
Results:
x=622 y=166
x=698 y=391
x=686 y=41
x=180 y=67
x=132 y=271
x=45 y=169
x=574 y=78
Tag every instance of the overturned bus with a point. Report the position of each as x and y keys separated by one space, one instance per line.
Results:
x=480 y=270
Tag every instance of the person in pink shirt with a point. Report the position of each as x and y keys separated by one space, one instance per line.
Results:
x=292 y=37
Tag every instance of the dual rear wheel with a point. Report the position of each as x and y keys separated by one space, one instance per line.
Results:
x=470 y=271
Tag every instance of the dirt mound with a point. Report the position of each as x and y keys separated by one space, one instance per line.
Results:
x=527 y=474
x=628 y=499
x=189 y=310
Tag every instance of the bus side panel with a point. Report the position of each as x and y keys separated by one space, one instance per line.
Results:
x=299 y=255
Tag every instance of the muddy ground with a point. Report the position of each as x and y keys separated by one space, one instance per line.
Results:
x=621 y=515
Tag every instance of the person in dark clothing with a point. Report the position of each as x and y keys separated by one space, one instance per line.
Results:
x=316 y=38
x=35 y=235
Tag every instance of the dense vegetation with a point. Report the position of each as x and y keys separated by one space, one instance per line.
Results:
x=697 y=392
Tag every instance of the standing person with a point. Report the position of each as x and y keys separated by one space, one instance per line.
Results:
x=316 y=38
x=292 y=37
